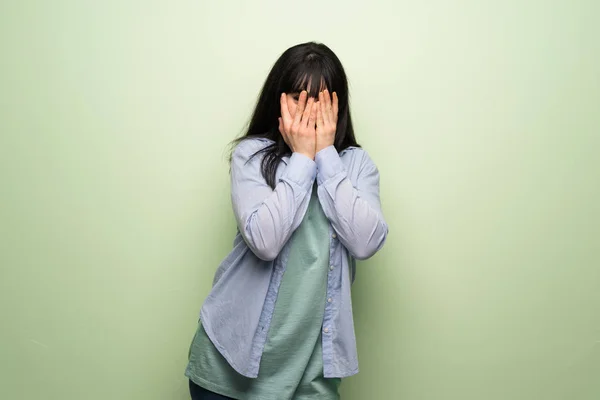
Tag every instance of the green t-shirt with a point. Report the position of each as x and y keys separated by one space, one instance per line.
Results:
x=291 y=366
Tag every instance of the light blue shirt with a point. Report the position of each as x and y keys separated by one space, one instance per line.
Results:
x=237 y=313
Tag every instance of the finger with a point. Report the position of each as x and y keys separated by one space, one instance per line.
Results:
x=285 y=112
x=300 y=107
x=335 y=106
x=320 y=121
x=323 y=108
x=312 y=119
x=307 y=111
x=327 y=101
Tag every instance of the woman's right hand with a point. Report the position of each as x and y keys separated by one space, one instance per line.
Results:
x=299 y=131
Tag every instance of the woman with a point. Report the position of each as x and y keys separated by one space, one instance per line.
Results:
x=278 y=321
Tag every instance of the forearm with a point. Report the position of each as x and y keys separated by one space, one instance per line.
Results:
x=355 y=214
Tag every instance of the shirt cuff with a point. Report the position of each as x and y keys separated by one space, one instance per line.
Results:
x=301 y=170
x=329 y=164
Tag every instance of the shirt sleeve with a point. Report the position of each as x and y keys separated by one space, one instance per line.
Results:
x=267 y=217
x=353 y=209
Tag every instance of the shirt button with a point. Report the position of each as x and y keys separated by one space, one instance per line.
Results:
x=326 y=330
x=334 y=235
x=331 y=267
x=329 y=300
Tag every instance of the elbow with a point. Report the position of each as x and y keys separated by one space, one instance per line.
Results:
x=366 y=249
x=262 y=242
x=264 y=250
x=360 y=255
x=363 y=252
x=265 y=254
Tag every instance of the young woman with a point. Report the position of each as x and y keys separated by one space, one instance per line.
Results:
x=278 y=321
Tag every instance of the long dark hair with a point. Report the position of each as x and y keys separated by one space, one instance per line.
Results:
x=298 y=65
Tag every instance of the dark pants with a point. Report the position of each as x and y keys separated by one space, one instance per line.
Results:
x=199 y=393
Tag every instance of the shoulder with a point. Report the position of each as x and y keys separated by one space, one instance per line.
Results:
x=359 y=157
x=247 y=147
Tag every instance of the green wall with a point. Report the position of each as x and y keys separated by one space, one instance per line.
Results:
x=482 y=116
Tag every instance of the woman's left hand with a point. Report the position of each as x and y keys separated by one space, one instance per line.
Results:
x=327 y=113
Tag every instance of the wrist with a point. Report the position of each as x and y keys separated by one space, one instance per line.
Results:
x=323 y=145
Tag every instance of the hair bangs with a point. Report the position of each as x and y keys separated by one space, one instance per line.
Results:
x=304 y=76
